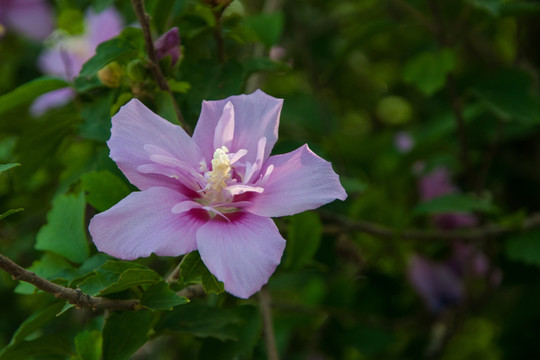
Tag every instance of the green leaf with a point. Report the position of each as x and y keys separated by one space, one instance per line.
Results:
x=428 y=70
x=160 y=297
x=304 y=237
x=124 y=333
x=64 y=233
x=10 y=212
x=130 y=278
x=104 y=189
x=508 y=94
x=203 y=321
x=165 y=107
x=29 y=91
x=4 y=167
x=181 y=87
x=107 y=52
x=524 y=247
x=88 y=344
x=268 y=27
x=36 y=321
x=520 y=8
x=193 y=270
x=458 y=203
x=96 y=124
x=115 y=276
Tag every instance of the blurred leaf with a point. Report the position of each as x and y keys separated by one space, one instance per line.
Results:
x=352 y=185
x=193 y=270
x=160 y=297
x=115 y=276
x=88 y=344
x=492 y=7
x=165 y=106
x=49 y=267
x=266 y=26
x=4 y=167
x=304 y=237
x=96 y=117
x=64 y=233
x=10 y=212
x=105 y=53
x=201 y=320
x=45 y=345
x=508 y=94
x=36 y=321
x=264 y=64
x=428 y=70
x=459 y=203
x=477 y=340
x=520 y=8
x=124 y=333
x=103 y=189
x=524 y=247
x=29 y=91
x=161 y=13
x=181 y=87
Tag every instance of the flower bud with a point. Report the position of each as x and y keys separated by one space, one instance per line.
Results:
x=111 y=75
x=136 y=70
x=168 y=44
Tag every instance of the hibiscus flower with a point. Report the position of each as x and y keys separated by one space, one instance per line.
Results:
x=214 y=192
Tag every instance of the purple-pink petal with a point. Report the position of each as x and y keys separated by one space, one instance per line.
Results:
x=242 y=253
x=255 y=116
x=52 y=99
x=300 y=181
x=103 y=26
x=135 y=130
x=33 y=18
x=143 y=223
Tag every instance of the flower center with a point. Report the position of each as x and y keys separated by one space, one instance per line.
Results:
x=221 y=170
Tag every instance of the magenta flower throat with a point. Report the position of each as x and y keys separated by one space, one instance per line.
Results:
x=215 y=192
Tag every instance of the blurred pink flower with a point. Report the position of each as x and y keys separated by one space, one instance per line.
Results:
x=436 y=184
x=403 y=142
x=32 y=18
x=169 y=44
x=67 y=56
x=214 y=192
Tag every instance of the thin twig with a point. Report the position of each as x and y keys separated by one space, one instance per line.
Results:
x=73 y=296
x=344 y=224
x=153 y=64
x=269 y=338
x=77 y=297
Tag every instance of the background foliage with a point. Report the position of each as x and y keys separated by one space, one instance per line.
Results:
x=457 y=79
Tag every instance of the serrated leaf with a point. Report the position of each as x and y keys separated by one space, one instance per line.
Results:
x=130 y=278
x=29 y=91
x=305 y=233
x=193 y=270
x=107 y=52
x=64 y=233
x=160 y=297
x=4 y=167
x=428 y=70
x=203 y=321
x=454 y=203
x=124 y=333
x=88 y=344
x=524 y=247
x=104 y=189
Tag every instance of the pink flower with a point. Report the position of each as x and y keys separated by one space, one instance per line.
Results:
x=32 y=18
x=214 y=192
x=168 y=44
x=66 y=58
